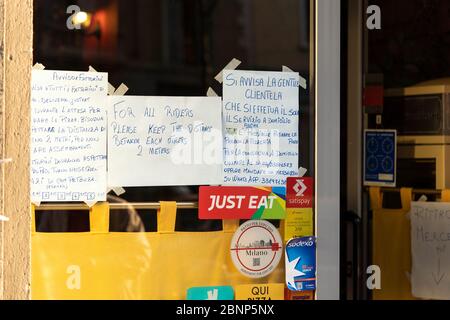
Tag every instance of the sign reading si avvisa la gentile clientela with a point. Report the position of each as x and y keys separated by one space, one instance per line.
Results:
x=241 y=203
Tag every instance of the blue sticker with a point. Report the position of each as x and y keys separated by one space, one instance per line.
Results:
x=301 y=264
x=210 y=293
x=380 y=156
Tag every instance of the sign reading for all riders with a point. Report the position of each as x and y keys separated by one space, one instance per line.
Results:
x=241 y=203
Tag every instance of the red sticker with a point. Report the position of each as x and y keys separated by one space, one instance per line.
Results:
x=299 y=192
x=240 y=203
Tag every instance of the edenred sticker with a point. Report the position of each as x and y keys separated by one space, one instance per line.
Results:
x=299 y=192
x=256 y=248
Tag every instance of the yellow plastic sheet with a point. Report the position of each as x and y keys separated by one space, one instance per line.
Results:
x=392 y=246
x=134 y=265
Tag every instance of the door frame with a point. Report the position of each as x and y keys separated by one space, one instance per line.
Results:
x=327 y=22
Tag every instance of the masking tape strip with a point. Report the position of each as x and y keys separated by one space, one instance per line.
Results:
x=121 y=90
x=302 y=81
x=233 y=64
x=111 y=89
x=38 y=66
x=302 y=171
x=90 y=203
x=423 y=198
x=118 y=190
x=211 y=93
x=286 y=69
x=3 y=218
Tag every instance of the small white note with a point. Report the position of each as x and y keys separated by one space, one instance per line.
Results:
x=68 y=136
x=160 y=141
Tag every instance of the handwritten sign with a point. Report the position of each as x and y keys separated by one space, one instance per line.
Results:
x=260 y=111
x=68 y=136
x=430 y=248
x=156 y=141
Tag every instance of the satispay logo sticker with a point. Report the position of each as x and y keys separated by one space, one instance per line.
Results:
x=256 y=248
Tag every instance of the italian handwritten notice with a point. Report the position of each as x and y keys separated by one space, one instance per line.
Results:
x=160 y=141
x=261 y=122
x=68 y=136
x=430 y=248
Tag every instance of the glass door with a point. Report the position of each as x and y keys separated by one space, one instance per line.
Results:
x=178 y=49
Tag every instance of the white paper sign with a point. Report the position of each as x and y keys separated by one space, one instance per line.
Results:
x=260 y=111
x=68 y=136
x=430 y=248
x=161 y=141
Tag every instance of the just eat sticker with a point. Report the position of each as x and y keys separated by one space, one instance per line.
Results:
x=241 y=203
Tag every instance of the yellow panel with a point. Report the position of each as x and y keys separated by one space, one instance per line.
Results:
x=134 y=265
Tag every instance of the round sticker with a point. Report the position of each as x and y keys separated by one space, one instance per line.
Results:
x=256 y=248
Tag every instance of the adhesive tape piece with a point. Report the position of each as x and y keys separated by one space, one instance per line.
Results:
x=302 y=171
x=91 y=69
x=121 y=90
x=286 y=69
x=38 y=66
x=423 y=198
x=211 y=93
x=118 y=190
x=230 y=66
x=302 y=81
x=111 y=89
x=90 y=203
x=3 y=218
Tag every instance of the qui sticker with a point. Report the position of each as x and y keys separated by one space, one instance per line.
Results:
x=271 y=291
x=256 y=248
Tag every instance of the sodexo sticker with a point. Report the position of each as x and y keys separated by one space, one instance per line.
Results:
x=301 y=264
x=256 y=248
